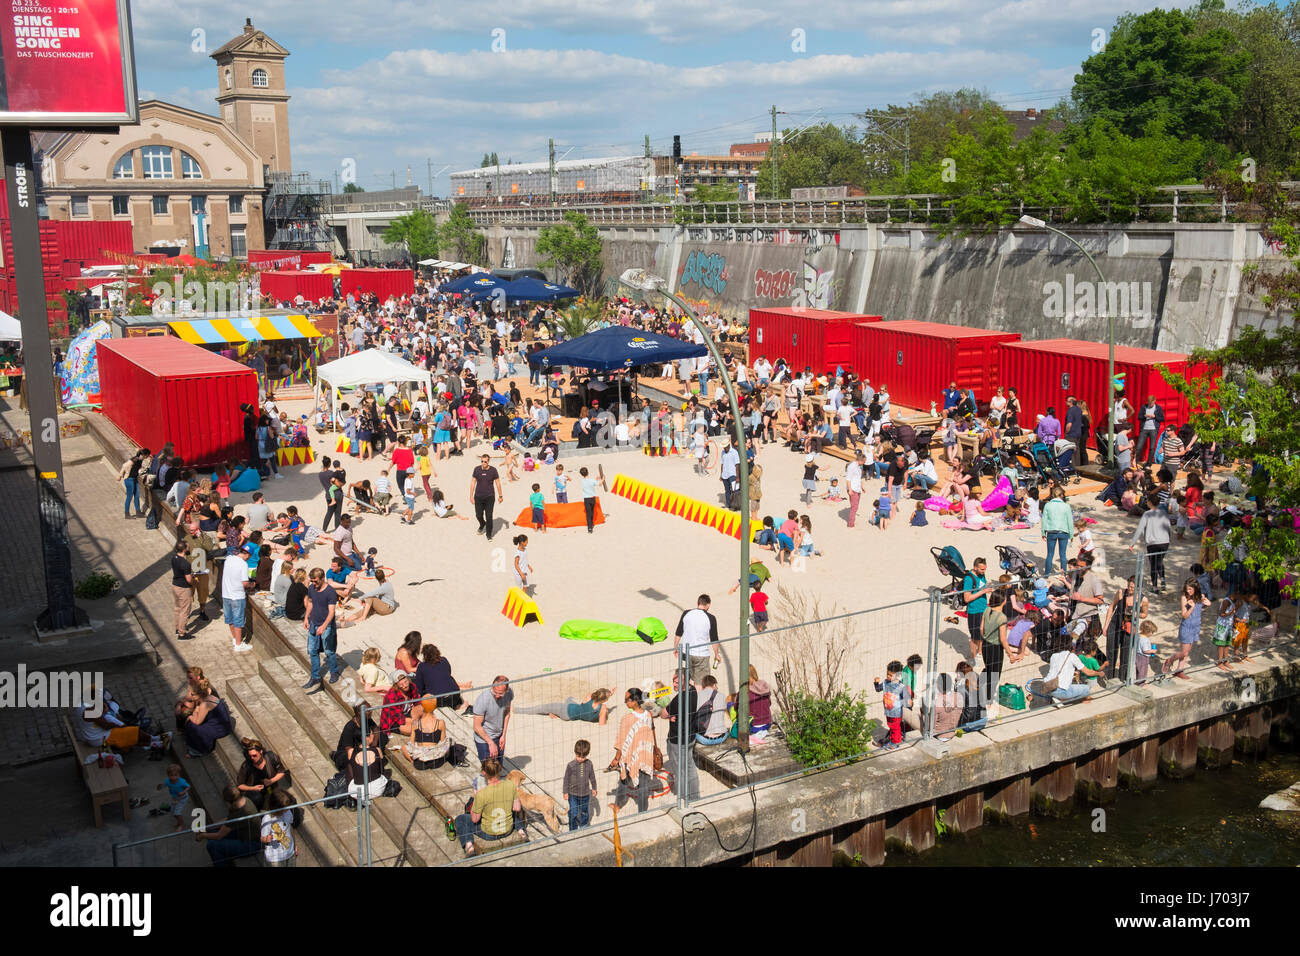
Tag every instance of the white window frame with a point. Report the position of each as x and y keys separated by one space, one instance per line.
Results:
x=264 y=76
x=164 y=156
x=127 y=171
x=126 y=201
x=154 y=205
x=190 y=168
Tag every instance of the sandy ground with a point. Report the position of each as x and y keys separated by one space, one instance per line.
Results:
x=451 y=584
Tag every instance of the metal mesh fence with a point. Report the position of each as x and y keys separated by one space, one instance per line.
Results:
x=214 y=838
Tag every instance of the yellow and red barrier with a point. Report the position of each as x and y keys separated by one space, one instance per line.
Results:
x=721 y=520
x=520 y=608
x=294 y=455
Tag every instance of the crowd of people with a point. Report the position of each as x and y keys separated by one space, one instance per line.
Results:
x=840 y=430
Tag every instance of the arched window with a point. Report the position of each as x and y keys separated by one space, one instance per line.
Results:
x=124 y=169
x=190 y=167
x=260 y=78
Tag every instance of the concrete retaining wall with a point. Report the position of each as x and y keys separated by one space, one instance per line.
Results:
x=1187 y=275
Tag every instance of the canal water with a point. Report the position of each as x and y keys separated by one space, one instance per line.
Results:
x=1211 y=820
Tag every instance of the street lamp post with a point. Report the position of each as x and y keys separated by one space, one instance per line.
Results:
x=1110 y=336
x=642 y=281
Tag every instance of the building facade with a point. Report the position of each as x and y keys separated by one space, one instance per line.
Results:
x=188 y=182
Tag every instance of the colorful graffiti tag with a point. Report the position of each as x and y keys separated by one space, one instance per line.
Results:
x=773 y=285
x=707 y=269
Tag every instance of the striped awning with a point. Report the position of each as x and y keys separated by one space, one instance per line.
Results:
x=245 y=329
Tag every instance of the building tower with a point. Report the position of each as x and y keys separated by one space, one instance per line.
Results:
x=252 y=97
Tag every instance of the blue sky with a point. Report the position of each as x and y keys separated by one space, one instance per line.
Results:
x=392 y=84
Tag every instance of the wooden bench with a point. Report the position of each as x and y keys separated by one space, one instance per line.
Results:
x=106 y=784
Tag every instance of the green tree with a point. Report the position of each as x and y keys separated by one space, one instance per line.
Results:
x=574 y=247
x=825 y=155
x=1159 y=66
x=1266 y=125
x=1250 y=413
x=353 y=188
x=459 y=237
x=1111 y=173
x=417 y=232
x=582 y=317
x=925 y=127
x=985 y=190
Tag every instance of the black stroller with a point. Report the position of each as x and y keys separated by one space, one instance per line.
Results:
x=1016 y=563
x=951 y=563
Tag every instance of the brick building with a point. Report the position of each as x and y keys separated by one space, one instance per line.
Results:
x=188 y=182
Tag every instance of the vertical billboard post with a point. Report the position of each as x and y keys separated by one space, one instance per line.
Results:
x=69 y=68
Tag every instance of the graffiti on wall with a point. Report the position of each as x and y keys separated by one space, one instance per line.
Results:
x=773 y=285
x=706 y=269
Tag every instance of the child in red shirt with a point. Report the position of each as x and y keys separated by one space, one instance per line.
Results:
x=758 y=602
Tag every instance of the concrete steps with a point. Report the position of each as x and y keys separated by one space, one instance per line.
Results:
x=332 y=834
x=408 y=819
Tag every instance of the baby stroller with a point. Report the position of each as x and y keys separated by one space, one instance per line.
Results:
x=1046 y=464
x=951 y=563
x=1016 y=563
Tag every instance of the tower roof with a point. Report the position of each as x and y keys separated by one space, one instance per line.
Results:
x=251 y=41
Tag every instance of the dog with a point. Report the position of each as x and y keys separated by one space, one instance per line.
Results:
x=536 y=802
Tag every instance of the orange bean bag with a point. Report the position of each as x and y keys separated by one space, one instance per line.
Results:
x=572 y=515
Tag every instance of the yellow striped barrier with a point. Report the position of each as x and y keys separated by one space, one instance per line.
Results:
x=520 y=608
x=680 y=506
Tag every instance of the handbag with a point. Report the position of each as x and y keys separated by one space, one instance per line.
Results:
x=1050 y=684
x=336 y=790
x=658 y=759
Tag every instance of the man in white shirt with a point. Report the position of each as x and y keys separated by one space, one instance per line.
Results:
x=868 y=393
x=1062 y=668
x=697 y=638
x=234 y=596
x=844 y=417
x=853 y=478
x=763 y=371
x=922 y=475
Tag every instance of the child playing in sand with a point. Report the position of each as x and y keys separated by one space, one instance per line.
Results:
x=561 y=486
x=511 y=463
x=538 y=502
x=833 y=492
x=919 y=519
x=758 y=603
x=372 y=556
x=1083 y=536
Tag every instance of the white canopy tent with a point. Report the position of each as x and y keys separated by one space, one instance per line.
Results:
x=10 y=329
x=371 y=367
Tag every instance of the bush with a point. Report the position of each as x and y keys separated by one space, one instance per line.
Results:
x=823 y=730
x=95 y=585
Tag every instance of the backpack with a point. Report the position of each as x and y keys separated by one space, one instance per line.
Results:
x=704 y=713
x=961 y=595
x=576 y=430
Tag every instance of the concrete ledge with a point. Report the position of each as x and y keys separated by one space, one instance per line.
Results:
x=801 y=807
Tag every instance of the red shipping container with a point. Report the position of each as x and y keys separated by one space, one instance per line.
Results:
x=292 y=258
x=382 y=282
x=283 y=286
x=802 y=337
x=917 y=360
x=158 y=389
x=1047 y=373
x=89 y=240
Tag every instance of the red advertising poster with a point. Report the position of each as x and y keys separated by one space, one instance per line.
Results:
x=66 y=63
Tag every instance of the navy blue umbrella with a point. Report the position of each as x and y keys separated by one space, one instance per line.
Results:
x=530 y=289
x=618 y=347
x=476 y=285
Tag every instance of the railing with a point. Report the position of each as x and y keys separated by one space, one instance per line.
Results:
x=1193 y=203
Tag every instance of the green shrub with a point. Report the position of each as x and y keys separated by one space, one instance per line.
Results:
x=820 y=731
x=95 y=585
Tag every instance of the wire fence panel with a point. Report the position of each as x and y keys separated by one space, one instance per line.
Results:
x=215 y=838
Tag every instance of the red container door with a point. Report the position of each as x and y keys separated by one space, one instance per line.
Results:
x=839 y=352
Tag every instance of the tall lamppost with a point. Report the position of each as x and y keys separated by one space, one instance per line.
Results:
x=1110 y=336
x=642 y=281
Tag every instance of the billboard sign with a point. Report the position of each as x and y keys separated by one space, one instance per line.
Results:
x=66 y=65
